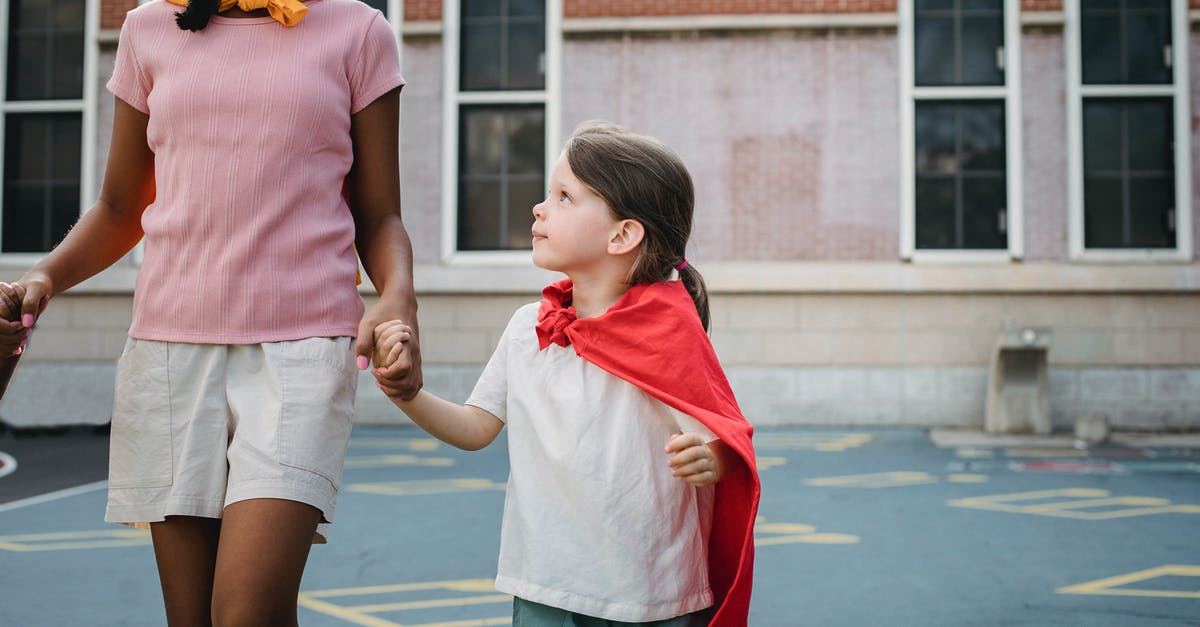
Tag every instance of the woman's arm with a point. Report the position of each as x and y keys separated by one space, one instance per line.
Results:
x=112 y=226
x=373 y=191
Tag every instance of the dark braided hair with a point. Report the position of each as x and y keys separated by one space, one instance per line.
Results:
x=195 y=16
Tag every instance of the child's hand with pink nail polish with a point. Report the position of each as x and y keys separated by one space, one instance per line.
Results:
x=13 y=333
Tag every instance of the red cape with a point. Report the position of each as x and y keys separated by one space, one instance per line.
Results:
x=652 y=338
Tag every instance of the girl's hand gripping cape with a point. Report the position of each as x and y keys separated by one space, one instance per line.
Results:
x=652 y=338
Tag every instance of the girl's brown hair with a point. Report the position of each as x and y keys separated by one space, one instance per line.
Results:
x=644 y=180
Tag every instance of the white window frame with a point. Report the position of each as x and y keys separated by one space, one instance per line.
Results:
x=1009 y=93
x=1178 y=90
x=85 y=105
x=453 y=98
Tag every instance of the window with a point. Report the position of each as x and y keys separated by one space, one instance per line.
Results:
x=499 y=121
x=43 y=121
x=1128 y=114
x=961 y=140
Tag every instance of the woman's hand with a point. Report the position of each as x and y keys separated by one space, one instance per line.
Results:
x=402 y=376
x=13 y=334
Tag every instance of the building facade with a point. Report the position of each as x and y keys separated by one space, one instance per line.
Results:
x=883 y=189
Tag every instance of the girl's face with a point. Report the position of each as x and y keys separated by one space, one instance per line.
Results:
x=572 y=226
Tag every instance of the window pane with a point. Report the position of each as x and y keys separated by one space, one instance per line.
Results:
x=501 y=174
x=378 y=4
x=934 y=54
x=936 y=223
x=984 y=198
x=982 y=136
x=1100 y=48
x=481 y=58
x=479 y=215
x=961 y=174
x=526 y=42
x=1102 y=146
x=41 y=179
x=937 y=138
x=935 y=5
x=526 y=155
x=1129 y=167
x=522 y=196
x=1104 y=221
x=1150 y=199
x=481 y=141
x=1149 y=35
x=981 y=39
x=482 y=8
x=525 y=8
x=1151 y=135
x=45 y=49
x=983 y=5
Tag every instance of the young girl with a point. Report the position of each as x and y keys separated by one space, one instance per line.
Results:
x=620 y=418
x=254 y=146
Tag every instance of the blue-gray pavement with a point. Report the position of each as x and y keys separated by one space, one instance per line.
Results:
x=875 y=527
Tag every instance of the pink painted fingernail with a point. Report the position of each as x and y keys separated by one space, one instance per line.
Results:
x=18 y=350
x=27 y=320
x=363 y=362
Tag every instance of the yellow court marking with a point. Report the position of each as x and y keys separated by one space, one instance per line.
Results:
x=411 y=444
x=770 y=462
x=767 y=534
x=1075 y=503
x=410 y=599
x=1047 y=452
x=75 y=540
x=966 y=478
x=974 y=452
x=375 y=461
x=432 y=486
x=875 y=480
x=1110 y=586
x=830 y=442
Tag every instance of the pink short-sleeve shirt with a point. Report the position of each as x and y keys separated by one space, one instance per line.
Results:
x=249 y=238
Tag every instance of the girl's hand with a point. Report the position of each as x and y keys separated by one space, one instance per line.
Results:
x=403 y=376
x=693 y=460
x=389 y=342
x=13 y=334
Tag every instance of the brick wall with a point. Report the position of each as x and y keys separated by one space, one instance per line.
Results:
x=112 y=12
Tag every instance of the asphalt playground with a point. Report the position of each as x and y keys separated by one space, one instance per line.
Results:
x=858 y=527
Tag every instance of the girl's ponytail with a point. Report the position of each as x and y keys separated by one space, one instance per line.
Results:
x=195 y=16
x=694 y=283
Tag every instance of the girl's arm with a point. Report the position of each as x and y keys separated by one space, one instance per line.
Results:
x=373 y=192
x=465 y=426
x=113 y=225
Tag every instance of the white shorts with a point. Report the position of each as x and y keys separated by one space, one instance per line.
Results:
x=197 y=427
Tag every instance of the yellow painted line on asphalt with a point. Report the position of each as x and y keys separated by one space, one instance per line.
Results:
x=827 y=442
x=770 y=462
x=768 y=534
x=323 y=601
x=974 y=452
x=1110 y=585
x=1046 y=452
x=875 y=480
x=377 y=461
x=432 y=486
x=411 y=444
x=74 y=540
x=966 y=478
x=1070 y=503
x=424 y=605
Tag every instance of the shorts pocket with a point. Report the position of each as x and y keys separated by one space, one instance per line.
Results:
x=317 y=383
x=140 y=443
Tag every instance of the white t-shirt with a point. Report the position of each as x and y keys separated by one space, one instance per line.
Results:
x=594 y=522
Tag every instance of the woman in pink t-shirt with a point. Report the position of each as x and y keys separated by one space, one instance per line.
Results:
x=254 y=151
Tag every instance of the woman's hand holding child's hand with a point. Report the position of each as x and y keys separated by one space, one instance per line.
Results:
x=391 y=360
x=13 y=334
x=693 y=460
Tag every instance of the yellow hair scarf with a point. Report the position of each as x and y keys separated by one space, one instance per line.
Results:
x=286 y=12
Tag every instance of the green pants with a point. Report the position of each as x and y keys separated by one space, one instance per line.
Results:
x=530 y=614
